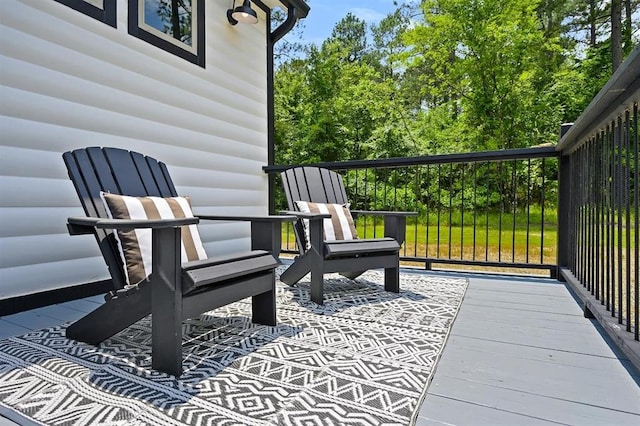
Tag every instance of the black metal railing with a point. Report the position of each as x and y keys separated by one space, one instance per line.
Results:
x=483 y=209
x=598 y=230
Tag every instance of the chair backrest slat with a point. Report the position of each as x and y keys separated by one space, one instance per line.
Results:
x=125 y=173
x=315 y=185
x=117 y=171
x=336 y=192
x=311 y=184
x=160 y=175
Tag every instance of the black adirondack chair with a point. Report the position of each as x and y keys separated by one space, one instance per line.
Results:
x=174 y=291
x=348 y=257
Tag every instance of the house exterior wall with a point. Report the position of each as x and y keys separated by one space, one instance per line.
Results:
x=69 y=81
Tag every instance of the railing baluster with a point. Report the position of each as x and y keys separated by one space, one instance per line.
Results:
x=603 y=214
x=501 y=211
x=475 y=205
x=526 y=256
x=439 y=204
x=627 y=207
x=636 y=201
x=462 y=212
x=428 y=224
x=581 y=228
x=385 y=192
x=375 y=200
x=450 y=206
x=619 y=208
x=415 y=228
x=597 y=199
x=365 y=201
x=514 y=192
x=590 y=212
x=612 y=226
x=395 y=189
x=486 y=205
x=542 y=203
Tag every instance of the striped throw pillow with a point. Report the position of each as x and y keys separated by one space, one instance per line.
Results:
x=339 y=227
x=135 y=244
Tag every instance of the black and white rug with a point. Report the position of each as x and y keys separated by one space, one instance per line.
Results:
x=363 y=358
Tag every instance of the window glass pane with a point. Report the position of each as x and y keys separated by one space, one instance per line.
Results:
x=171 y=17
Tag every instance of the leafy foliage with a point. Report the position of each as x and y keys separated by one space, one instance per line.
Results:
x=445 y=76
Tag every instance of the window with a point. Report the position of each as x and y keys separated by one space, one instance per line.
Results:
x=176 y=26
x=102 y=10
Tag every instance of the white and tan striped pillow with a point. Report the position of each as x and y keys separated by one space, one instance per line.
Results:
x=339 y=227
x=135 y=244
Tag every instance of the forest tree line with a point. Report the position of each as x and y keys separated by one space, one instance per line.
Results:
x=447 y=76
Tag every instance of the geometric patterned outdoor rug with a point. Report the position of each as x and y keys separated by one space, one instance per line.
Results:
x=364 y=357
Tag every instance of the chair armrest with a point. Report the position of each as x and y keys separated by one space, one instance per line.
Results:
x=81 y=225
x=266 y=231
x=305 y=215
x=84 y=223
x=394 y=222
x=270 y=218
x=383 y=213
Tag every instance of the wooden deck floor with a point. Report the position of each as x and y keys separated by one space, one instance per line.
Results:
x=520 y=353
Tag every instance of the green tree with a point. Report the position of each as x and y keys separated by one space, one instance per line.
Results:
x=343 y=108
x=488 y=60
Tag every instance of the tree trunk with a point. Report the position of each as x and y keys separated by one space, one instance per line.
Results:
x=627 y=42
x=593 y=16
x=616 y=34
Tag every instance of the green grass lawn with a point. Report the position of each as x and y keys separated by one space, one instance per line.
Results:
x=490 y=243
x=495 y=238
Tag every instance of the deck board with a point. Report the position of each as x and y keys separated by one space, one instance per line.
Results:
x=436 y=409
x=8 y=329
x=567 y=382
x=490 y=406
x=521 y=352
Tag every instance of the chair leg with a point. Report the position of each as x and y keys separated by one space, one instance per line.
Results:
x=166 y=302
x=300 y=267
x=316 y=287
x=392 y=280
x=263 y=306
x=112 y=317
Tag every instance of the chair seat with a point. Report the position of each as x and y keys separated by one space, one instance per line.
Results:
x=361 y=247
x=221 y=269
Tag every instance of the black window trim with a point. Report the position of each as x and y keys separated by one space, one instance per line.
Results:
x=107 y=14
x=136 y=30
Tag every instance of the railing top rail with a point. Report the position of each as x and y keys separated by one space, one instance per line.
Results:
x=617 y=95
x=472 y=157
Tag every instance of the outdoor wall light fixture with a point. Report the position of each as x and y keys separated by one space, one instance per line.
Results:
x=242 y=13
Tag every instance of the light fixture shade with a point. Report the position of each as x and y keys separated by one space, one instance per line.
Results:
x=244 y=14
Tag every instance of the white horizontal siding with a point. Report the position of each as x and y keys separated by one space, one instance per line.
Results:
x=30 y=221
x=35 y=278
x=19 y=192
x=69 y=81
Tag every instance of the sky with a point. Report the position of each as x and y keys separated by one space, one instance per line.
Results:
x=325 y=14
